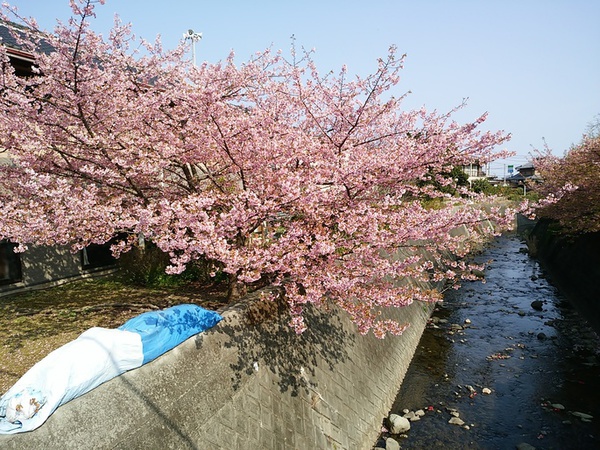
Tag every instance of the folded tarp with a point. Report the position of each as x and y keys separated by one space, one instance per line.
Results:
x=95 y=357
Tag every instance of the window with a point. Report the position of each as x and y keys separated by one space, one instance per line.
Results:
x=10 y=263
x=94 y=256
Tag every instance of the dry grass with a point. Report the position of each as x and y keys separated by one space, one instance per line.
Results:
x=33 y=324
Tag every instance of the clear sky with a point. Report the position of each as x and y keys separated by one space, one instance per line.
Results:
x=533 y=65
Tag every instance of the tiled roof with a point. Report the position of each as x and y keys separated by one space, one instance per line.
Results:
x=7 y=38
x=525 y=166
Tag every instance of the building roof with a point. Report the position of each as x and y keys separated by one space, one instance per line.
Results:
x=528 y=165
x=8 y=30
x=516 y=177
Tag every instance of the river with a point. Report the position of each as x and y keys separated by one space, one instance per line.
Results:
x=540 y=363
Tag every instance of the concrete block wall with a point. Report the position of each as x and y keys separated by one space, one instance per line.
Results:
x=249 y=383
x=44 y=266
x=573 y=263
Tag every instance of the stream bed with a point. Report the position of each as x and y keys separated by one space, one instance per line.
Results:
x=510 y=358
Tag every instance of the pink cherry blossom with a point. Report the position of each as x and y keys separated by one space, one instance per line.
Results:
x=266 y=168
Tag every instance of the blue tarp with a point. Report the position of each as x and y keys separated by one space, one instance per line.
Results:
x=163 y=330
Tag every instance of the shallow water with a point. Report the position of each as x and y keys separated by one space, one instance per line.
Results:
x=529 y=359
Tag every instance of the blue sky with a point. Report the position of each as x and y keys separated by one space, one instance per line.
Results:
x=533 y=65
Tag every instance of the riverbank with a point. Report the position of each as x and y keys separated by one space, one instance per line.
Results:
x=511 y=358
x=34 y=323
x=573 y=262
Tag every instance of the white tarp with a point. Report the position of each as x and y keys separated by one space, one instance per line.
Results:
x=77 y=367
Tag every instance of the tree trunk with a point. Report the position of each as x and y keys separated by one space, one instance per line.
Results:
x=235 y=289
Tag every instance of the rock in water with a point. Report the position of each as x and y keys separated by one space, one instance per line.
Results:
x=392 y=444
x=410 y=416
x=525 y=446
x=582 y=416
x=537 y=305
x=456 y=421
x=398 y=424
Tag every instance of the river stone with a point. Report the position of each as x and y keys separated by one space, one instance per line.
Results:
x=412 y=416
x=582 y=416
x=392 y=444
x=398 y=424
x=419 y=413
x=537 y=305
x=525 y=446
x=456 y=421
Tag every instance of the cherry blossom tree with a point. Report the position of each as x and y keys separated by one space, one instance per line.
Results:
x=572 y=181
x=268 y=168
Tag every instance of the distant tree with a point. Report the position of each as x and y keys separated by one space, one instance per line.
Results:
x=575 y=181
x=449 y=181
x=593 y=128
x=267 y=169
x=459 y=176
x=482 y=186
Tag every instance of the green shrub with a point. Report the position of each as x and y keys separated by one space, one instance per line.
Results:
x=147 y=268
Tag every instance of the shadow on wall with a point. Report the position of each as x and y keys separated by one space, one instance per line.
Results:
x=573 y=263
x=43 y=264
x=264 y=337
x=166 y=421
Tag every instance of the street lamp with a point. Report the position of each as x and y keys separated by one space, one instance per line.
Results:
x=194 y=37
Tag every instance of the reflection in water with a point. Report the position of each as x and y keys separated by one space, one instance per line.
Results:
x=530 y=358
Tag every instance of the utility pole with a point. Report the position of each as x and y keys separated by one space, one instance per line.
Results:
x=194 y=37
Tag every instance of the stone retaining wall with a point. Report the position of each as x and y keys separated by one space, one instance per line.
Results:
x=248 y=383
x=573 y=264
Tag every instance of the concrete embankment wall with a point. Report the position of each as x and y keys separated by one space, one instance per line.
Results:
x=573 y=264
x=248 y=383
